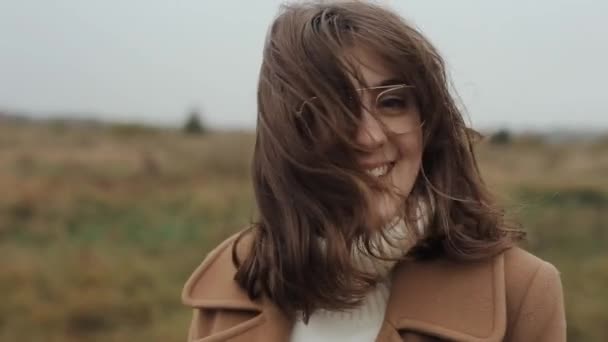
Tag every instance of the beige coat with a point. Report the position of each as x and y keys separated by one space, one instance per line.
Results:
x=514 y=296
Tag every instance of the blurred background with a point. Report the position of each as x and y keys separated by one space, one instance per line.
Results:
x=126 y=131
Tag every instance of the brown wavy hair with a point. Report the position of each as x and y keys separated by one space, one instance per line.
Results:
x=306 y=180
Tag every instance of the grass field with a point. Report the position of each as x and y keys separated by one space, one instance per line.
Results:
x=100 y=226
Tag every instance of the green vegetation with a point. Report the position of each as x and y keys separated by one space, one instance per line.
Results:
x=100 y=226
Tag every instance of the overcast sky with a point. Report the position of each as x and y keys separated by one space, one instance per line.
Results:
x=517 y=63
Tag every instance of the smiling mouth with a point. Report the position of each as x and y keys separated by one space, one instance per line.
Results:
x=382 y=170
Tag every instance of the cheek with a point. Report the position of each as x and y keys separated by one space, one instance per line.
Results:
x=410 y=148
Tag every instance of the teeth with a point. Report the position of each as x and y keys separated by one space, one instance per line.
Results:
x=379 y=171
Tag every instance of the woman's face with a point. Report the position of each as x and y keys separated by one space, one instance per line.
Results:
x=391 y=130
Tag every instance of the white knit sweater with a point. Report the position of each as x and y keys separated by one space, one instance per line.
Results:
x=362 y=323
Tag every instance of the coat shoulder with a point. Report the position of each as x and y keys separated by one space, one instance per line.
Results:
x=517 y=257
x=534 y=297
x=521 y=267
x=212 y=283
x=222 y=310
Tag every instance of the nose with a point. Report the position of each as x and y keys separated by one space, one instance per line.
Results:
x=370 y=132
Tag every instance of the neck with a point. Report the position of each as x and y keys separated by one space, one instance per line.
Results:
x=386 y=248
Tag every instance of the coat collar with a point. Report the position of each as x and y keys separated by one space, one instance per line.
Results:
x=461 y=301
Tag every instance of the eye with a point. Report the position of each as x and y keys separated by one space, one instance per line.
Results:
x=393 y=102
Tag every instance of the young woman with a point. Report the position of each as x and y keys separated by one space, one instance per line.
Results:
x=374 y=222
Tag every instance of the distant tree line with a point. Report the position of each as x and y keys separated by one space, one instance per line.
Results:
x=194 y=123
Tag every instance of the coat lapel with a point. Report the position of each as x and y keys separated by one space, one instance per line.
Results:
x=451 y=300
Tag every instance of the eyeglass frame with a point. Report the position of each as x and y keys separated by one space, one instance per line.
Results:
x=387 y=87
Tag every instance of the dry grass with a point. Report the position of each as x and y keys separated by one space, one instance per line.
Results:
x=99 y=227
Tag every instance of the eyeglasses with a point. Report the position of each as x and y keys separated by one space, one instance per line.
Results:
x=394 y=105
